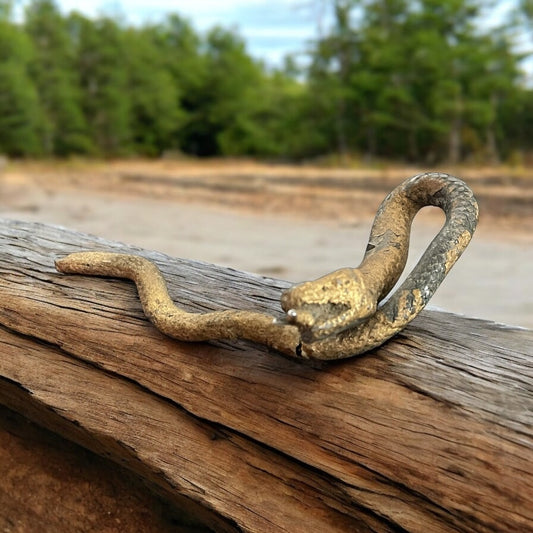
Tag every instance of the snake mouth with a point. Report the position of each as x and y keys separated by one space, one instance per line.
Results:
x=318 y=321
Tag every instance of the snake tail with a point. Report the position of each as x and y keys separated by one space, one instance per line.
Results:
x=171 y=319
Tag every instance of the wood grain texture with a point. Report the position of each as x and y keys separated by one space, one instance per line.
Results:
x=50 y=484
x=432 y=432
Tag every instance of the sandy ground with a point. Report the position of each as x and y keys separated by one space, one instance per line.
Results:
x=259 y=232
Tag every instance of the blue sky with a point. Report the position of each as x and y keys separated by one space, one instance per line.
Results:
x=271 y=28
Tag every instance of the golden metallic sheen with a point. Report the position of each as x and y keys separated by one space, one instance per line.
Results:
x=338 y=315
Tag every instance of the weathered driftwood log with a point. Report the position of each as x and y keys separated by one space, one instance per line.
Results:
x=431 y=432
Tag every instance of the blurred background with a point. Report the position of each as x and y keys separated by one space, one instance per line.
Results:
x=264 y=134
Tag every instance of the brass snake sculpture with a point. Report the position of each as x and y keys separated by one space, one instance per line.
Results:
x=339 y=314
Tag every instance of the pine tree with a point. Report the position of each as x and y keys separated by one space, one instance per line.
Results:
x=155 y=112
x=52 y=71
x=20 y=111
x=101 y=63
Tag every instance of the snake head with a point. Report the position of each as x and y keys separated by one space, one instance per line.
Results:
x=328 y=305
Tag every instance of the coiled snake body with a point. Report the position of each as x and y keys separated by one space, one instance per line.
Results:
x=335 y=316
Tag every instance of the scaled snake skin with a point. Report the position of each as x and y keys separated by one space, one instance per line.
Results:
x=338 y=315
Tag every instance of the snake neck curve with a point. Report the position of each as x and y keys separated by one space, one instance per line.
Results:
x=388 y=245
x=386 y=256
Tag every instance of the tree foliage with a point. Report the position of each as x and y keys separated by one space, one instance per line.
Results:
x=54 y=77
x=417 y=80
x=423 y=80
x=20 y=111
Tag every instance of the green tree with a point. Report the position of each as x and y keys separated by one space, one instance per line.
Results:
x=180 y=49
x=222 y=109
x=413 y=79
x=53 y=74
x=333 y=61
x=287 y=119
x=101 y=63
x=421 y=80
x=20 y=111
x=155 y=111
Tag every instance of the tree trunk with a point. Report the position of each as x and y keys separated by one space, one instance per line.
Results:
x=431 y=432
x=455 y=144
x=493 y=155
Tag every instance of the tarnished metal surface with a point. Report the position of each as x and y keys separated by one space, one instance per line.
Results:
x=337 y=315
